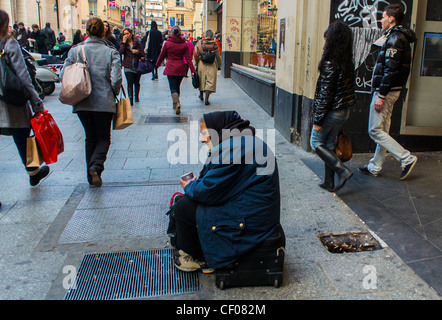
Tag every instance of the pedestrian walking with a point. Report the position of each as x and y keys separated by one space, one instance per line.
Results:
x=132 y=51
x=191 y=48
x=22 y=36
x=50 y=36
x=15 y=120
x=175 y=50
x=78 y=37
x=335 y=94
x=97 y=110
x=389 y=78
x=154 y=44
x=109 y=36
x=38 y=40
x=207 y=67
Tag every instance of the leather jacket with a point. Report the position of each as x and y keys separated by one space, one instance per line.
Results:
x=394 y=61
x=335 y=89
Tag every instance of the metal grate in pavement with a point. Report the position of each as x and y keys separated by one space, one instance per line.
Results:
x=166 y=119
x=120 y=213
x=131 y=275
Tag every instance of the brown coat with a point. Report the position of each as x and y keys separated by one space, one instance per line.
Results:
x=207 y=72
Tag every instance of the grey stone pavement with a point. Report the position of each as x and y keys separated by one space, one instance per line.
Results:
x=33 y=220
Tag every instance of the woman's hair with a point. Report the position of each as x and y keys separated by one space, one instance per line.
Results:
x=35 y=26
x=95 y=27
x=4 y=24
x=108 y=33
x=209 y=34
x=338 y=48
x=176 y=31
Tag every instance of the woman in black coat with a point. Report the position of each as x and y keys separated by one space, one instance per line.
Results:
x=153 y=47
x=335 y=94
x=39 y=40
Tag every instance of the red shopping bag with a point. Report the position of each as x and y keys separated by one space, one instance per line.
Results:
x=48 y=135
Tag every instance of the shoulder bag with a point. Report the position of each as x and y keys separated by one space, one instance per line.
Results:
x=76 y=83
x=344 y=149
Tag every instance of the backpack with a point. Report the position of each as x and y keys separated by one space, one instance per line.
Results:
x=12 y=90
x=208 y=56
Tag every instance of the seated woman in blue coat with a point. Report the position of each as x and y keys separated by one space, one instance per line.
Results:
x=234 y=204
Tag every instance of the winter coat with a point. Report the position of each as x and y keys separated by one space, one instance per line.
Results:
x=207 y=72
x=131 y=59
x=105 y=72
x=175 y=49
x=40 y=44
x=238 y=206
x=153 y=49
x=394 y=61
x=13 y=116
x=335 y=89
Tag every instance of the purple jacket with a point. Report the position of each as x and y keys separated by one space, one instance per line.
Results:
x=129 y=58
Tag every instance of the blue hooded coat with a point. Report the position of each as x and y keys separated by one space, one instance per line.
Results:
x=237 y=192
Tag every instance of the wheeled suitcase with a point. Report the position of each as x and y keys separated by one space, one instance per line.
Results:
x=261 y=267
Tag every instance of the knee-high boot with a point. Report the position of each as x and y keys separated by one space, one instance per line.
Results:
x=329 y=179
x=331 y=159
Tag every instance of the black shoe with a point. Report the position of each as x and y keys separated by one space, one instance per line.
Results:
x=207 y=103
x=201 y=96
x=407 y=170
x=331 y=159
x=365 y=170
x=35 y=180
x=95 y=178
x=137 y=100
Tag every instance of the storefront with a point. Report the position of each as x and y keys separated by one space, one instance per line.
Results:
x=271 y=50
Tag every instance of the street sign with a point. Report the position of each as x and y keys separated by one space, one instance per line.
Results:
x=172 y=21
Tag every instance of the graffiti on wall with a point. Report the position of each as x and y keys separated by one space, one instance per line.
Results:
x=364 y=18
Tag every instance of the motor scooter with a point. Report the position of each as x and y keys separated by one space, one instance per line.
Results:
x=47 y=74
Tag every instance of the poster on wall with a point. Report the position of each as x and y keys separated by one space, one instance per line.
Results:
x=281 y=36
x=364 y=18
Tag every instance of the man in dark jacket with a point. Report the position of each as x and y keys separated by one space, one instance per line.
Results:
x=50 y=36
x=389 y=78
x=22 y=36
x=154 y=43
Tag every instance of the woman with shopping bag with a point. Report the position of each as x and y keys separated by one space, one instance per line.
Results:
x=15 y=119
x=97 y=110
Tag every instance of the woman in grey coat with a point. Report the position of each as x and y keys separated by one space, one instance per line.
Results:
x=97 y=110
x=15 y=120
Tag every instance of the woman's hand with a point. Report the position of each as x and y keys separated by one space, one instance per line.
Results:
x=318 y=128
x=185 y=183
x=134 y=51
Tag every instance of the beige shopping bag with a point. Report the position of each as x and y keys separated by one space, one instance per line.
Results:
x=33 y=153
x=124 y=117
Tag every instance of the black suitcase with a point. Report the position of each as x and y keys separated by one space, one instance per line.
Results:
x=261 y=267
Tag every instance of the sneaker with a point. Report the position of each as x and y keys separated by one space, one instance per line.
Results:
x=365 y=170
x=35 y=179
x=185 y=262
x=407 y=170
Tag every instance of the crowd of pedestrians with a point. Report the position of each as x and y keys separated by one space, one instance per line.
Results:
x=215 y=190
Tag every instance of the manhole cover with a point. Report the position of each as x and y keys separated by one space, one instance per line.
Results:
x=130 y=275
x=347 y=242
x=166 y=119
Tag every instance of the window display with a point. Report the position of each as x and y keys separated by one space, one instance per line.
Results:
x=432 y=55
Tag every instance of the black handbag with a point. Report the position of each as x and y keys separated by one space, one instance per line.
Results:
x=12 y=90
x=196 y=80
x=144 y=66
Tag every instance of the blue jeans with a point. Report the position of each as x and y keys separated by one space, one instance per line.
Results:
x=333 y=122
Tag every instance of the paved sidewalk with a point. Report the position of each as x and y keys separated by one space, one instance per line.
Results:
x=33 y=220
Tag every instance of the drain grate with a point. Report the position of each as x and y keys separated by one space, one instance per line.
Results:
x=347 y=242
x=131 y=275
x=166 y=119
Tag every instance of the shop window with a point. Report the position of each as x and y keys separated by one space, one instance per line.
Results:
x=432 y=55
x=259 y=33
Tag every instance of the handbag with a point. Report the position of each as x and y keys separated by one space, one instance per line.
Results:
x=76 y=82
x=123 y=118
x=48 y=135
x=343 y=148
x=171 y=229
x=12 y=90
x=144 y=66
x=196 y=80
x=33 y=153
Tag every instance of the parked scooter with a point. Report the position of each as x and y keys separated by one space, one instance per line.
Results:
x=47 y=76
